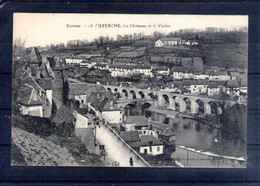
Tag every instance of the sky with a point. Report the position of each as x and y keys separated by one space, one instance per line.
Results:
x=41 y=29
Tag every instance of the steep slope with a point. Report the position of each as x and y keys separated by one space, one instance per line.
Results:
x=37 y=151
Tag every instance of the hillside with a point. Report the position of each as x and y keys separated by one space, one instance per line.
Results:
x=225 y=55
x=37 y=151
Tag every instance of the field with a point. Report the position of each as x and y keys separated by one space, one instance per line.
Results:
x=225 y=55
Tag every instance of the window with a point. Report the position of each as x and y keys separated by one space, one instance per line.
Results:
x=158 y=149
x=144 y=132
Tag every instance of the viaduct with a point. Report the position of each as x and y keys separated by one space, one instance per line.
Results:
x=178 y=102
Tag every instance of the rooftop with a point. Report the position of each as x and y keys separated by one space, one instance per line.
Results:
x=140 y=121
x=149 y=140
x=62 y=115
x=232 y=84
x=130 y=136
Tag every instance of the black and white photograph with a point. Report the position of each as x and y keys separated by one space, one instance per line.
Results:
x=129 y=90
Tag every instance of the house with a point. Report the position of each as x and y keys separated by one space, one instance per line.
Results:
x=213 y=89
x=119 y=70
x=84 y=128
x=232 y=88
x=88 y=64
x=132 y=138
x=86 y=93
x=199 y=86
x=200 y=74
x=135 y=123
x=182 y=73
x=195 y=86
x=73 y=61
x=32 y=98
x=147 y=131
x=101 y=66
x=112 y=115
x=168 y=42
x=150 y=145
x=218 y=75
x=234 y=75
x=165 y=132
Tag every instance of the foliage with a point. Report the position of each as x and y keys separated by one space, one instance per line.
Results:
x=37 y=125
x=233 y=120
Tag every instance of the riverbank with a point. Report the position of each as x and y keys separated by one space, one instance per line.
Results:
x=213 y=154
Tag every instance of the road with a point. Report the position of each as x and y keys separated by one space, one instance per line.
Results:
x=115 y=150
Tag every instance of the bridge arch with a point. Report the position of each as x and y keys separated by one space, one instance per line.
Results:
x=176 y=103
x=201 y=106
x=152 y=95
x=129 y=109
x=141 y=94
x=133 y=94
x=109 y=89
x=213 y=107
x=187 y=104
x=125 y=93
x=145 y=106
x=165 y=101
x=115 y=90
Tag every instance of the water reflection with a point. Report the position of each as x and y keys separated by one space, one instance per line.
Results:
x=194 y=134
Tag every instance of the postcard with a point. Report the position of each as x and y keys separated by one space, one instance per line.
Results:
x=129 y=90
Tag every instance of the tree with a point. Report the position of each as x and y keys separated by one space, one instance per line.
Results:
x=19 y=48
x=233 y=120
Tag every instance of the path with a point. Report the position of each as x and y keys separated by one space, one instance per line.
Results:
x=116 y=151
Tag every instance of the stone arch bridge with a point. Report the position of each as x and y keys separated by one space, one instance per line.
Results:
x=174 y=101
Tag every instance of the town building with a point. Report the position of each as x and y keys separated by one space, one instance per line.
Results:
x=232 y=88
x=213 y=89
x=151 y=145
x=218 y=75
x=118 y=70
x=85 y=129
x=32 y=98
x=165 y=132
x=73 y=61
x=132 y=138
x=196 y=86
x=135 y=123
x=168 y=42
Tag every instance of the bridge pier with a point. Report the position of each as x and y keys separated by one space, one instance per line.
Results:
x=207 y=109
x=160 y=99
x=194 y=107
x=161 y=118
x=182 y=106
x=172 y=103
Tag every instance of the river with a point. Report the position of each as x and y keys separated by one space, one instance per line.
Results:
x=203 y=140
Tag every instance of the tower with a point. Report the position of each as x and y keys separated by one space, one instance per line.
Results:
x=35 y=61
x=58 y=84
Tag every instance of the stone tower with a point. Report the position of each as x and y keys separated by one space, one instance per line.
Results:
x=58 y=84
x=35 y=61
